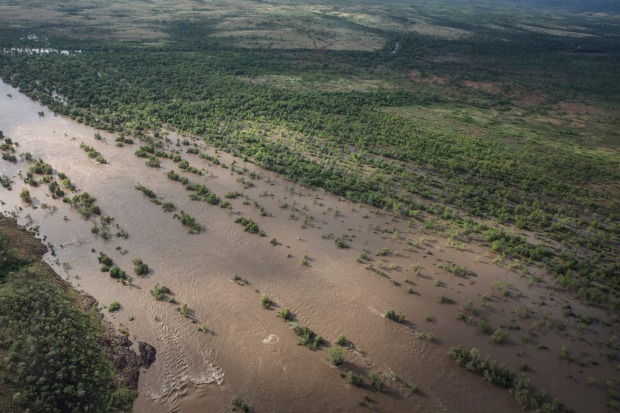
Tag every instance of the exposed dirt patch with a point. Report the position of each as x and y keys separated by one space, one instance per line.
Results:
x=578 y=108
x=488 y=87
x=450 y=58
x=336 y=85
x=445 y=32
x=554 y=32
x=418 y=77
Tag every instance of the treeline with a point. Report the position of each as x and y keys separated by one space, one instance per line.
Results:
x=53 y=360
x=343 y=142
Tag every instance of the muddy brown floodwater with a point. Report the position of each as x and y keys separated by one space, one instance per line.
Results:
x=245 y=350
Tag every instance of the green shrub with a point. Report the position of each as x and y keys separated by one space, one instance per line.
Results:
x=265 y=301
x=307 y=337
x=190 y=222
x=340 y=243
x=6 y=182
x=457 y=270
x=484 y=326
x=356 y=379
x=105 y=260
x=153 y=162
x=238 y=280
x=565 y=354
x=285 y=313
x=305 y=260
x=168 y=206
x=248 y=225
x=499 y=336
x=526 y=395
x=336 y=356
x=160 y=292
x=150 y=194
x=382 y=252
x=445 y=300
x=114 y=306
x=375 y=382
x=391 y=315
x=140 y=267
x=184 y=310
x=24 y=195
x=238 y=404
x=118 y=274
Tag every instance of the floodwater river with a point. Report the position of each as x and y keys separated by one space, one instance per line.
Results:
x=229 y=345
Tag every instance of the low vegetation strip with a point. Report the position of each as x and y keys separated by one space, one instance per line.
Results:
x=51 y=339
x=526 y=395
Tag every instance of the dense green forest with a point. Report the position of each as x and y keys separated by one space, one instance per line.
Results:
x=480 y=163
x=50 y=342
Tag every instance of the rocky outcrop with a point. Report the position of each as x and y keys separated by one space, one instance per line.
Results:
x=147 y=354
x=124 y=358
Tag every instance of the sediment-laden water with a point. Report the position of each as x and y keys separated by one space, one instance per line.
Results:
x=229 y=344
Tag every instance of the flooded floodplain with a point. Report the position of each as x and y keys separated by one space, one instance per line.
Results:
x=337 y=266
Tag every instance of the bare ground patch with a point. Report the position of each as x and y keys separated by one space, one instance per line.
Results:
x=488 y=87
x=445 y=32
x=578 y=108
x=418 y=77
x=336 y=85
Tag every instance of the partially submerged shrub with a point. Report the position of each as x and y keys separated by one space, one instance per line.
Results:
x=391 y=315
x=114 y=306
x=336 y=356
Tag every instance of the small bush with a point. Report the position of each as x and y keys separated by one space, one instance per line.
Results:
x=105 y=260
x=375 y=382
x=140 y=267
x=307 y=337
x=340 y=243
x=153 y=162
x=356 y=379
x=382 y=252
x=304 y=260
x=184 y=310
x=114 y=306
x=160 y=292
x=499 y=336
x=285 y=313
x=565 y=354
x=336 y=356
x=238 y=404
x=484 y=326
x=24 y=195
x=265 y=301
x=238 y=280
x=118 y=274
x=445 y=300
x=248 y=225
x=391 y=315
x=168 y=206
